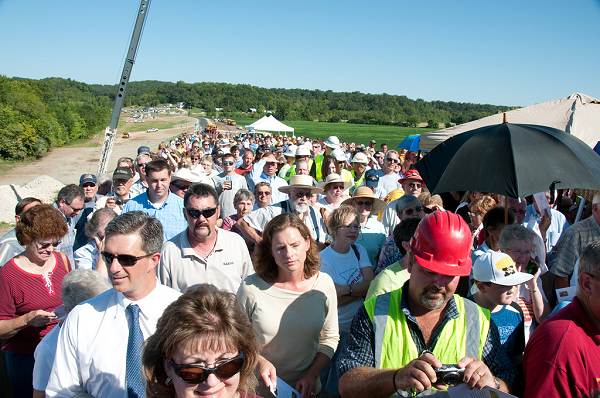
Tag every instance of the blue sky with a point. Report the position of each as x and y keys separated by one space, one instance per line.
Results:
x=505 y=52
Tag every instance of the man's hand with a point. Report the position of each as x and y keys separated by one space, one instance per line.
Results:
x=306 y=385
x=267 y=373
x=477 y=374
x=419 y=374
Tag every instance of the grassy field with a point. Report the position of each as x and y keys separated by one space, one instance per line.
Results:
x=359 y=133
x=173 y=121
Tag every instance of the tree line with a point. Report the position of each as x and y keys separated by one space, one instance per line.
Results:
x=36 y=115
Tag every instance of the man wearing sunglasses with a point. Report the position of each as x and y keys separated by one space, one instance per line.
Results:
x=269 y=174
x=70 y=202
x=158 y=201
x=391 y=165
x=100 y=344
x=203 y=253
x=300 y=191
x=228 y=182
x=140 y=167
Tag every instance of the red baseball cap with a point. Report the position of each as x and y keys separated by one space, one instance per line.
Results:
x=411 y=174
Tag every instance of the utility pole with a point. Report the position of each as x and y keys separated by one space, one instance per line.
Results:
x=111 y=131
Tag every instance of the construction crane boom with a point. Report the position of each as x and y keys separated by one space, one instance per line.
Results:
x=111 y=131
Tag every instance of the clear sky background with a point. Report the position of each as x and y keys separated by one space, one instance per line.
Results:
x=509 y=52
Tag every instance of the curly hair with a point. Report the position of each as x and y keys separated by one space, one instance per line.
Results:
x=40 y=222
x=482 y=205
x=265 y=265
x=203 y=317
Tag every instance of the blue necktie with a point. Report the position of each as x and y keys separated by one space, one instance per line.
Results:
x=134 y=379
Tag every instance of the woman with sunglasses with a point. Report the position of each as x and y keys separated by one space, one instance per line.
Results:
x=292 y=307
x=407 y=206
x=335 y=191
x=351 y=270
x=30 y=292
x=372 y=233
x=203 y=346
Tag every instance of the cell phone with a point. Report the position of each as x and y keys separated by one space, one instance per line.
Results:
x=532 y=267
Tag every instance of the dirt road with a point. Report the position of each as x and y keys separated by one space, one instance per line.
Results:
x=66 y=164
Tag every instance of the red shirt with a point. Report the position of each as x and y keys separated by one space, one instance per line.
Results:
x=562 y=358
x=243 y=171
x=22 y=292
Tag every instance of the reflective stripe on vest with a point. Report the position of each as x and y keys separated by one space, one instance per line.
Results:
x=394 y=346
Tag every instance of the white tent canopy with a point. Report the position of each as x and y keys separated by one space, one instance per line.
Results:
x=270 y=124
x=577 y=114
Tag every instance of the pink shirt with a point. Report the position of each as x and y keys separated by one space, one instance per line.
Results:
x=22 y=292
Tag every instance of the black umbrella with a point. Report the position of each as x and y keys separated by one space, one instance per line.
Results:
x=510 y=159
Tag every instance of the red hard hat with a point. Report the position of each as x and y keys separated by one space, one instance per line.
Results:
x=442 y=244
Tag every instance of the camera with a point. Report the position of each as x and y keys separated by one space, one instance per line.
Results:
x=450 y=375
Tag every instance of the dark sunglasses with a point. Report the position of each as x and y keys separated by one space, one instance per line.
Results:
x=265 y=193
x=46 y=245
x=182 y=187
x=364 y=202
x=411 y=211
x=206 y=213
x=393 y=160
x=126 y=260
x=194 y=158
x=228 y=163
x=301 y=194
x=88 y=185
x=429 y=210
x=196 y=374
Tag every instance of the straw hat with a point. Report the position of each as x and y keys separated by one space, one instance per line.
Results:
x=366 y=192
x=333 y=178
x=300 y=181
x=303 y=150
x=360 y=157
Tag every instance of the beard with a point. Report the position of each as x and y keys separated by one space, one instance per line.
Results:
x=300 y=207
x=433 y=298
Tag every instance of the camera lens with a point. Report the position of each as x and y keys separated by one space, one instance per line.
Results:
x=452 y=378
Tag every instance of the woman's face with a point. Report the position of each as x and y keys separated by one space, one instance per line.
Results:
x=349 y=229
x=244 y=207
x=41 y=249
x=414 y=210
x=289 y=250
x=212 y=386
x=335 y=191
x=364 y=206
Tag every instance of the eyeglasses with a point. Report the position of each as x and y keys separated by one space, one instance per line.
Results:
x=140 y=165
x=74 y=209
x=336 y=186
x=364 y=203
x=46 y=245
x=195 y=374
x=392 y=160
x=414 y=185
x=195 y=159
x=206 y=213
x=181 y=187
x=88 y=185
x=228 y=163
x=411 y=211
x=126 y=260
x=263 y=193
x=352 y=226
x=301 y=194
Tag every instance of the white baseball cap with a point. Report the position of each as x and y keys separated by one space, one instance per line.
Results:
x=498 y=268
x=360 y=157
x=332 y=142
x=339 y=155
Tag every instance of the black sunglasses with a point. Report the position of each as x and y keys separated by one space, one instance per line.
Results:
x=46 y=245
x=228 y=163
x=411 y=211
x=126 y=260
x=206 y=213
x=196 y=374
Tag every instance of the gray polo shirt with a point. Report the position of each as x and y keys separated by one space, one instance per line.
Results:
x=225 y=268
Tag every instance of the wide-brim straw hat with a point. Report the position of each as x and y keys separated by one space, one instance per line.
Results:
x=366 y=192
x=333 y=178
x=301 y=181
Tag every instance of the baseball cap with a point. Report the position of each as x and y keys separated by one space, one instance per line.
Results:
x=122 y=173
x=143 y=149
x=372 y=178
x=88 y=179
x=411 y=174
x=360 y=157
x=498 y=268
x=332 y=142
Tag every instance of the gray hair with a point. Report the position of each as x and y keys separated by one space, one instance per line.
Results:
x=149 y=229
x=589 y=261
x=80 y=285
x=69 y=193
x=512 y=233
x=406 y=201
x=243 y=194
x=99 y=217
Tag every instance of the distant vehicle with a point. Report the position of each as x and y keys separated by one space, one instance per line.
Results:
x=152 y=130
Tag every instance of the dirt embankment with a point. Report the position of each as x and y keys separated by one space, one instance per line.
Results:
x=66 y=164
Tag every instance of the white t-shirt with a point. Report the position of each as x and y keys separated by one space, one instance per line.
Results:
x=344 y=269
x=44 y=359
x=389 y=182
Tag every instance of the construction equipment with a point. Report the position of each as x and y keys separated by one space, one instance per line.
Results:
x=111 y=131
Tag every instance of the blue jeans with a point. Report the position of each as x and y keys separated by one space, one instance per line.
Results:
x=19 y=368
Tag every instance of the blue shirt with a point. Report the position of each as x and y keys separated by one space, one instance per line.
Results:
x=169 y=213
x=275 y=182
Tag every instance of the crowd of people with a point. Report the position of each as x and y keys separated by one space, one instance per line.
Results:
x=237 y=266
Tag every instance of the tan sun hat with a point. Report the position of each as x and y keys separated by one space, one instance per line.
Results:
x=360 y=157
x=187 y=175
x=333 y=178
x=300 y=181
x=366 y=192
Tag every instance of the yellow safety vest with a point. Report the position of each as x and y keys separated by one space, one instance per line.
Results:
x=394 y=347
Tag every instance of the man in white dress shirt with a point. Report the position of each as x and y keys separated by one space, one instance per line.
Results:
x=100 y=344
